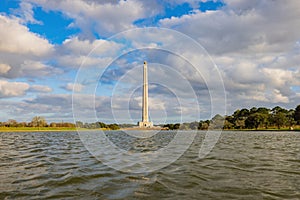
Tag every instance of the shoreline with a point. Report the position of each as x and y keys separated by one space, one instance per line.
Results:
x=47 y=129
x=43 y=129
x=143 y=129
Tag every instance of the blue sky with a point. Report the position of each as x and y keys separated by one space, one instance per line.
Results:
x=254 y=44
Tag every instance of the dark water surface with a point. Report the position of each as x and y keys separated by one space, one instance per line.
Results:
x=242 y=165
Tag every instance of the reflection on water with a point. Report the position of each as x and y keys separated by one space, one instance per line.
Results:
x=243 y=165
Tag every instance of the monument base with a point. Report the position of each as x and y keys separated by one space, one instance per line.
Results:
x=145 y=124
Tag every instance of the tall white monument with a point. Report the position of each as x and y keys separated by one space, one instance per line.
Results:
x=145 y=119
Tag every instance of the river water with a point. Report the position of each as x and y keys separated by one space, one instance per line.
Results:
x=242 y=165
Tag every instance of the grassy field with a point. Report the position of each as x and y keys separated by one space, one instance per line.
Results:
x=19 y=129
x=295 y=128
x=41 y=129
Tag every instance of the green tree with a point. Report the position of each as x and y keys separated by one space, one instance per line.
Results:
x=203 y=125
x=193 y=125
x=38 y=121
x=290 y=118
x=263 y=110
x=266 y=115
x=101 y=125
x=253 y=110
x=168 y=126
x=256 y=120
x=239 y=117
x=230 y=119
x=184 y=126
x=280 y=119
x=278 y=109
x=172 y=126
x=176 y=126
x=228 y=124
x=238 y=114
x=240 y=123
x=53 y=124
x=12 y=123
x=297 y=115
x=113 y=126
x=79 y=124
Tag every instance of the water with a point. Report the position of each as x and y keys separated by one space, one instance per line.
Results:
x=243 y=165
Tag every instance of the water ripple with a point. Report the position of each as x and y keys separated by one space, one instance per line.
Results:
x=243 y=165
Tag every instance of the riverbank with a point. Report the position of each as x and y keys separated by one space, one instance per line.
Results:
x=33 y=129
x=295 y=128
x=58 y=129
x=136 y=128
x=43 y=129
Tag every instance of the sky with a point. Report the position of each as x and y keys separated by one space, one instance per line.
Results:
x=82 y=60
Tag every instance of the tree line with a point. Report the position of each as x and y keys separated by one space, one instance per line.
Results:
x=97 y=125
x=36 y=121
x=254 y=118
x=39 y=121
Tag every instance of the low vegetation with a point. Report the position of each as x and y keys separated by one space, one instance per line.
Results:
x=249 y=119
x=245 y=119
x=39 y=123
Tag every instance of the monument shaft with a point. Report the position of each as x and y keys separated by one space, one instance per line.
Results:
x=145 y=120
x=145 y=94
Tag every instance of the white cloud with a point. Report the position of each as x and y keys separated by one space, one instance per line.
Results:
x=279 y=77
x=243 y=26
x=75 y=52
x=277 y=97
x=55 y=107
x=26 y=13
x=21 y=66
x=17 y=39
x=255 y=44
x=74 y=86
x=4 y=68
x=103 y=17
x=84 y=47
x=22 y=52
x=73 y=61
x=12 y=89
x=40 y=88
x=37 y=69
